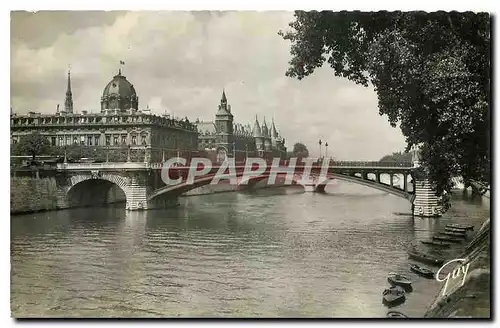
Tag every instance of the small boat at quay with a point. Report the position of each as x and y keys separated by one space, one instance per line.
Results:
x=393 y=296
x=453 y=234
x=461 y=226
x=397 y=279
x=462 y=231
x=424 y=272
x=437 y=243
x=426 y=258
x=448 y=238
x=395 y=314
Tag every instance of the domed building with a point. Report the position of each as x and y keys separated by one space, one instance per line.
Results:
x=120 y=129
x=119 y=96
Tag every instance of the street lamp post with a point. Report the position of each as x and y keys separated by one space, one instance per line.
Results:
x=326 y=150
x=320 y=143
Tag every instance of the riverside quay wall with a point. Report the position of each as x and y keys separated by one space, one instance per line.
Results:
x=472 y=299
x=32 y=194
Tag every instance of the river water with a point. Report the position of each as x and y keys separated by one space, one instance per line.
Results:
x=272 y=253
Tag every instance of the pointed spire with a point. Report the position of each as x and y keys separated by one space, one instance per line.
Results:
x=223 y=99
x=265 y=130
x=68 y=102
x=256 y=128
x=68 y=90
x=224 y=108
x=274 y=133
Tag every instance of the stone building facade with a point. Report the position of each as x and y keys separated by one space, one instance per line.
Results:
x=119 y=127
x=224 y=138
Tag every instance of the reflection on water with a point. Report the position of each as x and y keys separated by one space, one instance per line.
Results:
x=277 y=252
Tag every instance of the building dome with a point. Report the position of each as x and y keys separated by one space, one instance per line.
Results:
x=119 y=94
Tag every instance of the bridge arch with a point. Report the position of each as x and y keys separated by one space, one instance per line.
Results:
x=321 y=184
x=373 y=184
x=178 y=189
x=96 y=189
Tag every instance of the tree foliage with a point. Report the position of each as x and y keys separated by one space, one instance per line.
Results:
x=300 y=150
x=397 y=157
x=31 y=145
x=431 y=72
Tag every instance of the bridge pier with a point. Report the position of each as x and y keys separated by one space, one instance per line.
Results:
x=137 y=200
x=426 y=203
x=137 y=197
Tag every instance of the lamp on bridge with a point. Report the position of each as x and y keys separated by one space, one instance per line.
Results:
x=326 y=150
x=320 y=143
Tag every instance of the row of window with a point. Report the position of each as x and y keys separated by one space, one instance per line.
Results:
x=92 y=140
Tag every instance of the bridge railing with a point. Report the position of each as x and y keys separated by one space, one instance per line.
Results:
x=370 y=164
x=108 y=165
x=159 y=165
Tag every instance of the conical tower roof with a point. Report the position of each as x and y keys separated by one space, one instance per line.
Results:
x=257 y=132
x=274 y=133
x=265 y=130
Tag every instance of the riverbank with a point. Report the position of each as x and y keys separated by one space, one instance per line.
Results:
x=472 y=299
x=30 y=195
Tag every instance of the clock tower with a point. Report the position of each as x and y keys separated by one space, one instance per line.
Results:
x=224 y=127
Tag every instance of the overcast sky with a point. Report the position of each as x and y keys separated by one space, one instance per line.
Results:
x=180 y=61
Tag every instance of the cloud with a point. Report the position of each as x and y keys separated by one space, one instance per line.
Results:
x=181 y=61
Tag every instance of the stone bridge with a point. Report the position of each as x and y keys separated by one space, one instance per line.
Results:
x=141 y=185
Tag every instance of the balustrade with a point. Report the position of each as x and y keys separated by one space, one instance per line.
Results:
x=100 y=120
